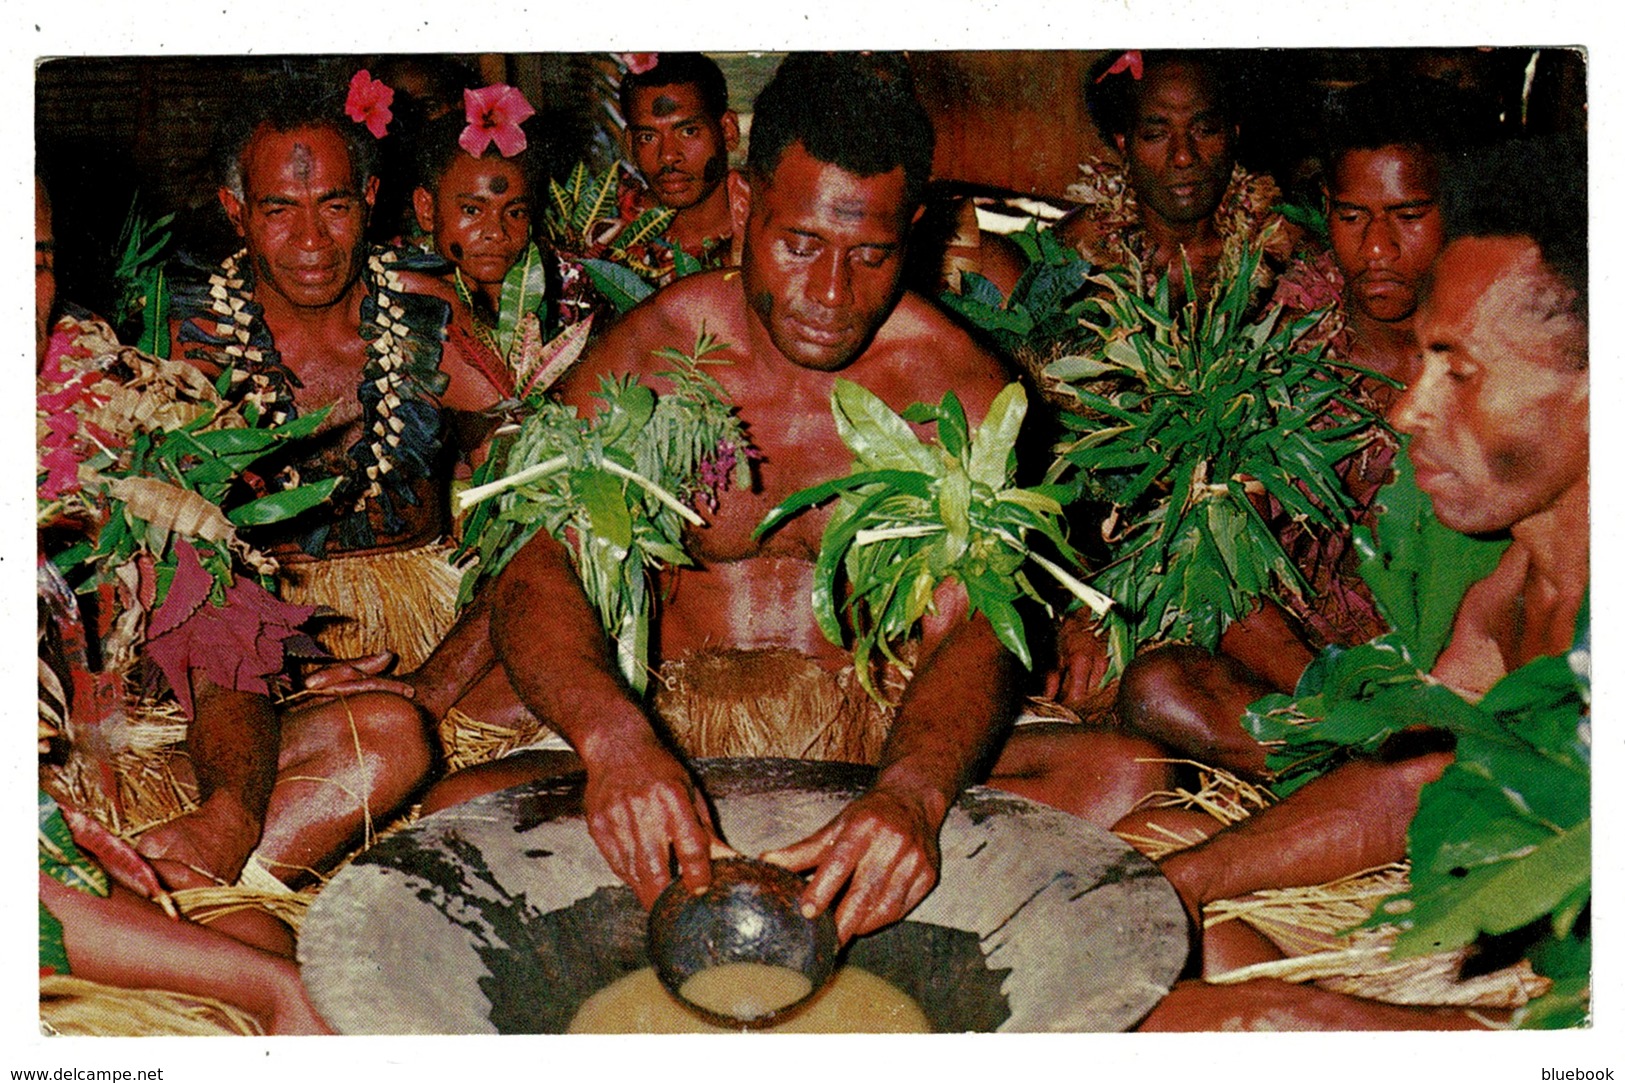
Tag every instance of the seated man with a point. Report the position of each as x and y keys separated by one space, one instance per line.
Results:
x=1499 y=424
x=308 y=316
x=679 y=132
x=1384 y=148
x=1172 y=117
x=840 y=154
x=293 y=787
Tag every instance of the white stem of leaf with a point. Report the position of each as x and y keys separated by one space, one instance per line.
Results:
x=869 y=537
x=469 y=497
x=1086 y=594
x=655 y=491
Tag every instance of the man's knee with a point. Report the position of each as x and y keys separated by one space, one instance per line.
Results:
x=1156 y=680
x=378 y=729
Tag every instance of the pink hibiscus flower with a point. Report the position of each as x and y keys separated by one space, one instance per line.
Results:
x=494 y=115
x=368 y=103
x=638 y=63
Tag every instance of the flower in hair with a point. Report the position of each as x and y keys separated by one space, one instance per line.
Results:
x=368 y=103
x=638 y=63
x=494 y=115
x=1130 y=62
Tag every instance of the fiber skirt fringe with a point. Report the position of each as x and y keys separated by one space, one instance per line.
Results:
x=401 y=601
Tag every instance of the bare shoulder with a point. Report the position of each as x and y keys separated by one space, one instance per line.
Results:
x=1473 y=661
x=921 y=353
x=710 y=303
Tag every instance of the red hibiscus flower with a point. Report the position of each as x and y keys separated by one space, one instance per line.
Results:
x=368 y=103
x=494 y=115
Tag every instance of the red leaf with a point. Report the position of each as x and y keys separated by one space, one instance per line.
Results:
x=239 y=645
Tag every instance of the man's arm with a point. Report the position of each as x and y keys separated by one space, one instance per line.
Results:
x=233 y=741
x=641 y=803
x=1352 y=819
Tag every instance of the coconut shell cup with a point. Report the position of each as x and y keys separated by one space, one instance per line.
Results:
x=751 y=913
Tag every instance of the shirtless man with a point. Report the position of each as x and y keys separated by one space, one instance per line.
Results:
x=298 y=786
x=1498 y=420
x=324 y=321
x=828 y=207
x=679 y=132
x=1382 y=190
x=1173 y=122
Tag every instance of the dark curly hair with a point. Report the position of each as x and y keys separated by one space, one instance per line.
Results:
x=1112 y=99
x=1533 y=188
x=287 y=105
x=857 y=111
x=685 y=69
x=1405 y=111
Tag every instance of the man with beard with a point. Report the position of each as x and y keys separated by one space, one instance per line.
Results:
x=679 y=131
x=840 y=155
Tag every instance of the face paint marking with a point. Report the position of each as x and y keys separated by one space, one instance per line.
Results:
x=499 y=184
x=302 y=166
x=665 y=106
x=456 y=250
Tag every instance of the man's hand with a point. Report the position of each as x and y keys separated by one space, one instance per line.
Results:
x=642 y=807
x=882 y=849
x=1081 y=662
x=354 y=676
x=206 y=846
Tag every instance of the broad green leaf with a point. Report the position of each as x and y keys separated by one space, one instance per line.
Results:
x=878 y=437
x=684 y=264
x=1418 y=569
x=621 y=286
x=953 y=500
x=996 y=437
x=953 y=431
x=604 y=499
x=283 y=505
x=1497 y=898
x=523 y=290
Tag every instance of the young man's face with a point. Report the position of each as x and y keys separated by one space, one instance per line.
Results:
x=823 y=257
x=681 y=150
x=1178 y=147
x=479 y=214
x=303 y=215
x=1385 y=227
x=1498 y=416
